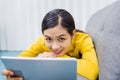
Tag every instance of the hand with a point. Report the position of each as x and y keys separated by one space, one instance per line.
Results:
x=46 y=55
x=9 y=73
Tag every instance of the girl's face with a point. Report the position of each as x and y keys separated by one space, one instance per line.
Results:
x=57 y=39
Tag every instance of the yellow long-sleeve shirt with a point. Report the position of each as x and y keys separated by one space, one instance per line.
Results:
x=87 y=64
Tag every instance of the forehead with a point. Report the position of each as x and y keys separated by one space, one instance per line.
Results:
x=56 y=31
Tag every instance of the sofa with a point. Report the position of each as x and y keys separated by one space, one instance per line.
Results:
x=104 y=27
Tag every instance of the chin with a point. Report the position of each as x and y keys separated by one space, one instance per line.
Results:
x=60 y=54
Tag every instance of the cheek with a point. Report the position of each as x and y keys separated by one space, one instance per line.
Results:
x=47 y=45
x=67 y=44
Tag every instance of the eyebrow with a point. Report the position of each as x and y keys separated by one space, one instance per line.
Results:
x=57 y=36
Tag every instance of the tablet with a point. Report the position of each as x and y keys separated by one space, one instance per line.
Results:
x=42 y=68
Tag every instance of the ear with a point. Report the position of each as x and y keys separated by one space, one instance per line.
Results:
x=74 y=32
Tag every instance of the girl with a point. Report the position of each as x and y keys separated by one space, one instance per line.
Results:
x=60 y=39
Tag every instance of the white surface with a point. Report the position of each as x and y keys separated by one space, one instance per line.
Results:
x=20 y=20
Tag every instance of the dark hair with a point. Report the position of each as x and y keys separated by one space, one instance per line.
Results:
x=51 y=19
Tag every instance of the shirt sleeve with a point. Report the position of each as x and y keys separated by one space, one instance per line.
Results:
x=34 y=49
x=88 y=65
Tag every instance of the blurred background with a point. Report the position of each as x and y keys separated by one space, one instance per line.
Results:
x=20 y=20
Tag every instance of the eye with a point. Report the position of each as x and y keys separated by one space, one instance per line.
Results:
x=48 y=39
x=61 y=39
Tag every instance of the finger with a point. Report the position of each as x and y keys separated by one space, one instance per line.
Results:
x=8 y=78
x=16 y=78
x=7 y=72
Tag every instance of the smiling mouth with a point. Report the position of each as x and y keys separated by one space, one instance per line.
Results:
x=57 y=52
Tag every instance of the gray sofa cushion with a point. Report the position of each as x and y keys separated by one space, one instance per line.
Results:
x=104 y=27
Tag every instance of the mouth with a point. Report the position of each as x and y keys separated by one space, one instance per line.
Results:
x=57 y=52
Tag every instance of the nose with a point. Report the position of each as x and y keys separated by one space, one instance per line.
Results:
x=55 y=46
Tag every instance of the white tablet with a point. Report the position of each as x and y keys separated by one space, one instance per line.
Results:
x=42 y=68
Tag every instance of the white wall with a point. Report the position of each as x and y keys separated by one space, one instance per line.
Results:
x=20 y=20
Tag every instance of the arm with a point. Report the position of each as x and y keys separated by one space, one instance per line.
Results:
x=36 y=48
x=88 y=64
